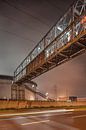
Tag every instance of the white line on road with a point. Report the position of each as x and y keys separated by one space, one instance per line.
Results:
x=36 y=122
x=80 y=116
x=26 y=117
x=34 y=113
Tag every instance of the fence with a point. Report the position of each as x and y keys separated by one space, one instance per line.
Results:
x=5 y=104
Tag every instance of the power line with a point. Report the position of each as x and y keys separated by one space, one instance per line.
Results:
x=53 y=5
x=17 y=35
x=57 y=7
x=14 y=20
x=24 y=12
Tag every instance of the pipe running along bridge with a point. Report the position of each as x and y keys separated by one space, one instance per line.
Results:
x=64 y=41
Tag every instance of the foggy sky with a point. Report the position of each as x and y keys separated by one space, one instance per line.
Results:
x=21 y=30
x=68 y=79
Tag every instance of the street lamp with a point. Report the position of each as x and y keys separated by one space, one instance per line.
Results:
x=33 y=86
x=46 y=95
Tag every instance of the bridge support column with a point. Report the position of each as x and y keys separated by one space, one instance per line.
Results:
x=14 y=92
x=21 y=93
x=17 y=92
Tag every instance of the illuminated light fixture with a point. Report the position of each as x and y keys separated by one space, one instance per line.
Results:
x=59 y=28
x=47 y=54
x=46 y=94
x=47 y=51
x=33 y=86
x=39 y=48
x=28 y=60
x=52 y=51
x=68 y=34
x=76 y=33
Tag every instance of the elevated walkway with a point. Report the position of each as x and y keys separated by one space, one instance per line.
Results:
x=64 y=41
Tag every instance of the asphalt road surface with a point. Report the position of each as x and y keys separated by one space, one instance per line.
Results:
x=46 y=120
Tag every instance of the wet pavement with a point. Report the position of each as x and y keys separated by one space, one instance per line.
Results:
x=60 y=120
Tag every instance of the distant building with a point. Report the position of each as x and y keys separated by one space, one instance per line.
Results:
x=81 y=99
x=73 y=98
x=62 y=98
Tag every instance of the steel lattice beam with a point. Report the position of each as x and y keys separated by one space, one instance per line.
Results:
x=63 y=42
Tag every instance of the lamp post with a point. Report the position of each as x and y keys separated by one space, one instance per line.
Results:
x=46 y=95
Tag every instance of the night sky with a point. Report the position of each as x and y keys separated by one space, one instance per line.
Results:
x=22 y=25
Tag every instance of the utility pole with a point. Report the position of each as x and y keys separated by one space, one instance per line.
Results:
x=56 y=93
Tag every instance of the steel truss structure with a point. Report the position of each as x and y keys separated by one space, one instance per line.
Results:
x=65 y=40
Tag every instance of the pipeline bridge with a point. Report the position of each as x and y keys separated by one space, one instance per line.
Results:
x=64 y=41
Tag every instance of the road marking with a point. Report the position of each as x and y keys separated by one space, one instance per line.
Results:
x=47 y=115
x=80 y=116
x=34 y=113
x=21 y=117
x=36 y=122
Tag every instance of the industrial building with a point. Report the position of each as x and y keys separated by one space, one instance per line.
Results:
x=6 y=91
x=5 y=86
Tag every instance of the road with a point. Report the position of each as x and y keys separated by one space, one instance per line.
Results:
x=44 y=120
